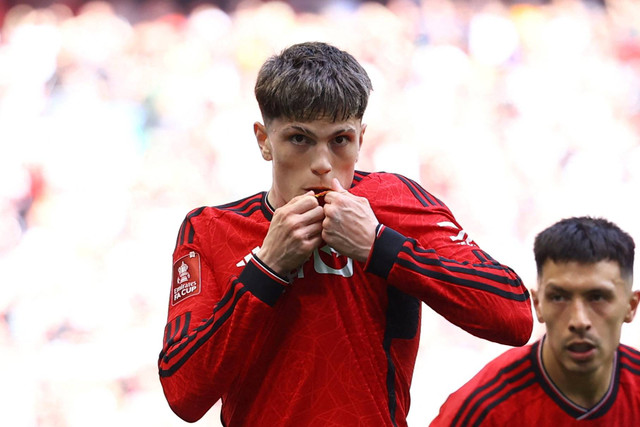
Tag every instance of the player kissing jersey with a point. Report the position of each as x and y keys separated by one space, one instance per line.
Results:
x=514 y=389
x=335 y=343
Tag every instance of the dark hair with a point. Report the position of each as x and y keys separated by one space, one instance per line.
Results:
x=312 y=80
x=585 y=240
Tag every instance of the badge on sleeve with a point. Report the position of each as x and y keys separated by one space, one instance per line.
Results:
x=186 y=278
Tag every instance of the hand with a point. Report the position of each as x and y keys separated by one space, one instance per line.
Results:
x=349 y=224
x=294 y=232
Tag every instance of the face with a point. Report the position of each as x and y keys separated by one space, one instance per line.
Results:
x=583 y=307
x=308 y=155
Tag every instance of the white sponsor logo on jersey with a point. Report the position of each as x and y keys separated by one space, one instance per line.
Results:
x=462 y=237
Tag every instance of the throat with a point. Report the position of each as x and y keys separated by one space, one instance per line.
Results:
x=585 y=389
x=589 y=396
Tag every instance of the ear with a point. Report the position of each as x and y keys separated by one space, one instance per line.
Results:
x=536 y=304
x=361 y=138
x=633 y=306
x=262 y=137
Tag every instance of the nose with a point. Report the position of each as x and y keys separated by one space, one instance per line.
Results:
x=321 y=161
x=579 y=321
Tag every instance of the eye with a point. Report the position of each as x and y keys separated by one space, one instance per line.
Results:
x=597 y=297
x=341 y=140
x=299 y=139
x=555 y=297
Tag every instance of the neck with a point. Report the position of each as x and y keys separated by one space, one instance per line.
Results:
x=584 y=388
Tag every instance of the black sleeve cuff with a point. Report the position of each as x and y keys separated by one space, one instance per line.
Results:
x=385 y=252
x=262 y=282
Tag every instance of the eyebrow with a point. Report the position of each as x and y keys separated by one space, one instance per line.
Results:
x=552 y=287
x=312 y=134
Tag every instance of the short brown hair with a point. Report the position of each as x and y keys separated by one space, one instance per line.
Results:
x=312 y=80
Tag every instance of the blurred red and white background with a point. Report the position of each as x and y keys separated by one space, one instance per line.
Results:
x=118 y=118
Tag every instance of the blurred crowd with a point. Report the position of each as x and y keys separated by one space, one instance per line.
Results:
x=118 y=118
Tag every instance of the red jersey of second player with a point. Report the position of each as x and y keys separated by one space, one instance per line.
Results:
x=514 y=389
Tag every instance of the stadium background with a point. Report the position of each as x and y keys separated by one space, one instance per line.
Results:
x=117 y=118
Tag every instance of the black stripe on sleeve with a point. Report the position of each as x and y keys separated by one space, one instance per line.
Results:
x=358 y=176
x=630 y=368
x=186 y=224
x=500 y=380
x=178 y=332
x=506 y=396
x=251 y=279
x=203 y=339
x=179 y=236
x=192 y=233
x=402 y=320
x=630 y=353
x=243 y=204
x=167 y=356
x=460 y=267
x=245 y=207
x=185 y=327
x=472 y=284
x=167 y=333
x=385 y=252
x=175 y=331
x=262 y=286
x=423 y=196
x=481 y=255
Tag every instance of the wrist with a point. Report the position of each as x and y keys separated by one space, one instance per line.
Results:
x=267 y=260
x=269 y=269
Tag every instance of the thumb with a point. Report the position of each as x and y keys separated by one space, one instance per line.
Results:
x=336 y=186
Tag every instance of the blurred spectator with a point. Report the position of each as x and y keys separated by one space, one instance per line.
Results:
x=112 y=113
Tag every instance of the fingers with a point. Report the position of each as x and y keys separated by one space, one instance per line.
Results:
x=295 y=231
x=301 y=204
x=304 y=209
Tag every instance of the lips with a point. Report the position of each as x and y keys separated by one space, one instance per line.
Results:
x=580 y=347
x=581 y=351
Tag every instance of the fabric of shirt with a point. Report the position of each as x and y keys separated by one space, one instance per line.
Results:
x=335 y=343
x=515 y=390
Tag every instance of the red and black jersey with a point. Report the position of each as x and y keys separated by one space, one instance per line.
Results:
x=336 y=343
x=514 y=389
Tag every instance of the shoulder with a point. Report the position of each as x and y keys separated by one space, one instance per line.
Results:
x=392 y=186
x=243 y=207
x=630 y=361
x=492 y=389
x=387 y=178
x=206 y=218
x=507 y=364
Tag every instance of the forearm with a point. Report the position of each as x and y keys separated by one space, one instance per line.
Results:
x=473 y=291
x=206 y=347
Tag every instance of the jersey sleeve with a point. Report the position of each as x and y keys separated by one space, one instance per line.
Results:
x=422 y=250
x=213 y=326
x=494 y=397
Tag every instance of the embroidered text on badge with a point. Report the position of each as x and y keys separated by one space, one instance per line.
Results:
x=186 y=277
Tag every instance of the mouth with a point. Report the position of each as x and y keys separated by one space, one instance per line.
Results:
x=320 y=193
x=581 y=351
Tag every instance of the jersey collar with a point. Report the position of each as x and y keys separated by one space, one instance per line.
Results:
x=576 y=411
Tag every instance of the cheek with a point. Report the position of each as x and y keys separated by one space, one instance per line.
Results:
x=541 y=310
x=552 y=315
x=287 y=163
x=345 y=162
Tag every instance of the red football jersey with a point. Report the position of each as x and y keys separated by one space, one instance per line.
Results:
x=336 y=343
x=514 y=389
